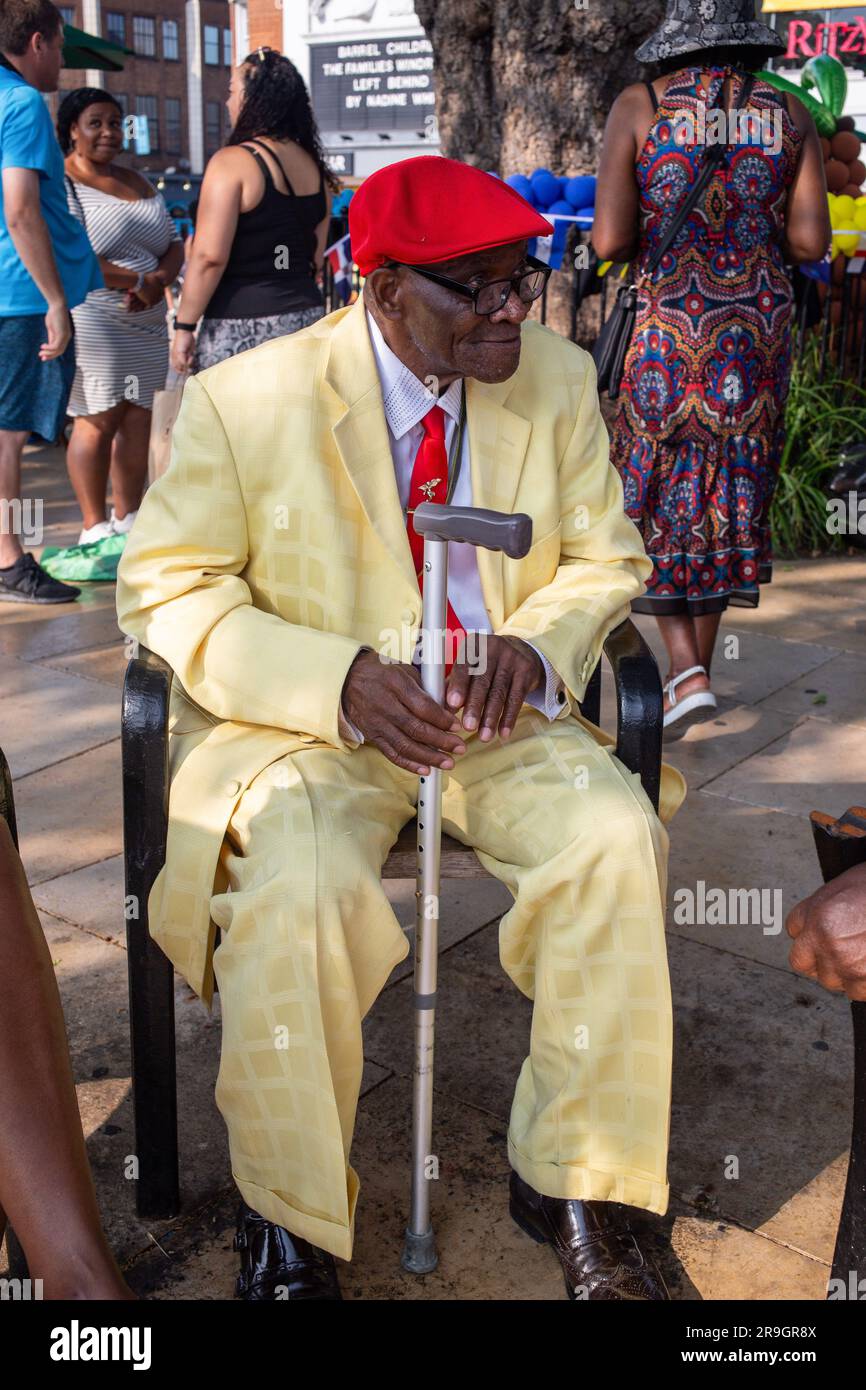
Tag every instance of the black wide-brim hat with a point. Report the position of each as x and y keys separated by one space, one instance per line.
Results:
x=691 y=25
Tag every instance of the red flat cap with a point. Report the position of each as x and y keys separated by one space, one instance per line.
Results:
x=431 y=209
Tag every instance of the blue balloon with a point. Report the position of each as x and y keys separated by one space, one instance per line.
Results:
x=545 y=187
x=561 y=205
x=520 y=183
x=580 y=191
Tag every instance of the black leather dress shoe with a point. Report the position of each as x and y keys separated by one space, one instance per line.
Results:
x=600 y=1257
x=276 y=1265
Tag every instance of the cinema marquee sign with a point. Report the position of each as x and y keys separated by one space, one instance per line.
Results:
x=382 y=83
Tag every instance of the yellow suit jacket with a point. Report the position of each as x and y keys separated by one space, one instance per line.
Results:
x=274 y=547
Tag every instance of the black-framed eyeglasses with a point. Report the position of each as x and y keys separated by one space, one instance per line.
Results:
x=487 y=299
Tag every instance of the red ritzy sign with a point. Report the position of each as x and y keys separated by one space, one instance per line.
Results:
x=844 y=36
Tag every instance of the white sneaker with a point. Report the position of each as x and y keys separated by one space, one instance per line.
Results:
x=99 y=532
x=122 y=528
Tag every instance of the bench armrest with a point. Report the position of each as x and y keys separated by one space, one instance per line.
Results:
x=639 y=705
x=144 y=740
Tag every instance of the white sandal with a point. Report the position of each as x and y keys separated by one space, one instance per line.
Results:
x=693 y=708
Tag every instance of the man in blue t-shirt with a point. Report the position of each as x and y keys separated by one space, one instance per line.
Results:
x=47 y=266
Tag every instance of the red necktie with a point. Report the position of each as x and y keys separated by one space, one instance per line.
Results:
x=429 y=483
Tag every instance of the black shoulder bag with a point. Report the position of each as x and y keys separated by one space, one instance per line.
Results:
x=613 y=341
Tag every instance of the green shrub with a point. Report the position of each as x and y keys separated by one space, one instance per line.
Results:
x=822 y=417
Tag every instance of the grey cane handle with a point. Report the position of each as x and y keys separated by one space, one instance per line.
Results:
x=476 y=526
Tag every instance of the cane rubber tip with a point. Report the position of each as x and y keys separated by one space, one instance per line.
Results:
x=419 y=1253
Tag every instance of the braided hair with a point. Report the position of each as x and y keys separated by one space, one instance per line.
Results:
x=73 y=105
x=276 y=103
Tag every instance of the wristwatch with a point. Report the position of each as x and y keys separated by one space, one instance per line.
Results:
x=184 y=327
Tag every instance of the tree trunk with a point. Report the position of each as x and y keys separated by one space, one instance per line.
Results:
x=523 y=83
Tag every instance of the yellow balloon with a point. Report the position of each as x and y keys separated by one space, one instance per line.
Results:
x=846 y=244
x=860 y=215
x=845 y=210
x=861 y=201
x=834 y=215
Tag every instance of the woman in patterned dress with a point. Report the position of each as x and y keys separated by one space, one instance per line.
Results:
x=699 y=429
x=121 y=334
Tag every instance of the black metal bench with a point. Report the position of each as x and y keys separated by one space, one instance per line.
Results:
x=145 y=821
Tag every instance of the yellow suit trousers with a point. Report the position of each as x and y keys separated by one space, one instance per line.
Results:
x=309 y=940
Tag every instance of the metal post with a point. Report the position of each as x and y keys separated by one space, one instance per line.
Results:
x=419 y=1252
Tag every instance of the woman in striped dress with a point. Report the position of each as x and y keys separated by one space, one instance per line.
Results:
x=121 y=335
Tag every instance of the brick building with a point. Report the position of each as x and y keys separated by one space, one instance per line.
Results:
x=178 y=79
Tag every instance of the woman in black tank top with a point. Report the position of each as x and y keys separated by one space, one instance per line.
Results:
x=255 y=260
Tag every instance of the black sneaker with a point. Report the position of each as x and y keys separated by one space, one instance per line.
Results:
x=28 y=582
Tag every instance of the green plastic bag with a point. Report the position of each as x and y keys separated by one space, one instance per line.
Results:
x=98 y=560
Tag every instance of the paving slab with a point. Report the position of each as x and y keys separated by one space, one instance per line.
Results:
x=31 y=631
x=47 y=715
x=725 y=1262
x=816 y=765
x=732 y=736
x=748 y=665
x=465 y=906
x=91 y=898
x=813 y=601
x=757 y=1051
x=752 y=848
x=809 y=1219
x=104 y=664
x=835 y=691
x=70 y=814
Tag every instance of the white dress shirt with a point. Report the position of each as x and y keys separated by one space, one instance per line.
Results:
x=407 y=400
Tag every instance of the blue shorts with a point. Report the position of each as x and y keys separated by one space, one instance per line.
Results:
x=33 y=394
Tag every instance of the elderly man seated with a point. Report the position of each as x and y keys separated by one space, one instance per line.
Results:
x=276 y=567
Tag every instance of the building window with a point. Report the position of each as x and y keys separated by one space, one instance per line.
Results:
x=123 y=102
x=173 y=143
x=212 y=125
x=115 y=27
x=67 y=13
x=170 y=40
x=144 y=36
x=211 y=45
x=149 y=107
x=227 y=47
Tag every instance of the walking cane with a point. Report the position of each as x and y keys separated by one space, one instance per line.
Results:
x=494 y=531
